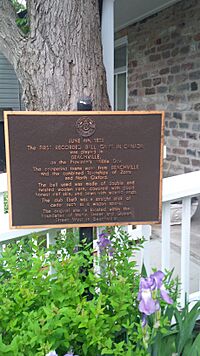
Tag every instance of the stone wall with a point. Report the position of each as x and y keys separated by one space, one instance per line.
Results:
x=164 y=74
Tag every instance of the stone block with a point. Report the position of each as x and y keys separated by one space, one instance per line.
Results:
x=147 y=83
x=171 y=97
x=176 y=169
x=178 y=151
x=184 y=160
x=191 y=135
x=164 y=71
x=183 y=105
x=143 y=76
x=185 y=50
x=173 y=124
x=194 y=96
x=175 y=69
x=133 y=63
x=192 y=116
x=196 y=162
x=166 y=46
x=178 y=133
x=196 y=127
x=172 y=142
x=194 y=86
x=194 y=75
x=183 y=125
x=187 y=170
x=166 y=54
x=171 y=158
x=182 y=77
x=156 y=81
x=170 y=79
x=151 y=107
x=168 y=115
x=187 y=66
x=183 y=87
x=162 y=89
x=197 y=107
x=150 y=51
x=166 y=165
x=183 y=143
x=191 y=152
x=195 y=144
x=154 y=57
x=150 y=91
x=175 y=52
x=133 y=92
x=177 y=115
x=196 y=37
x=175 y=34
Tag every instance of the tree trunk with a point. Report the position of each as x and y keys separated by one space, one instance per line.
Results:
x=61 y=59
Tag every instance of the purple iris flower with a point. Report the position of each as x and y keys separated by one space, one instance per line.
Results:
x=105 y=244
x=148 y=304
x=53 y=353
x=165 y=295
x=158 y=278
x=76 y=249
x=144 y=320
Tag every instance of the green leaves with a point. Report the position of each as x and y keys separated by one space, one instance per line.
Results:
x=21 y=20
x=192 y=347
x=9 y=350
x=41 y=312
x=186 y=322
x=44 y=312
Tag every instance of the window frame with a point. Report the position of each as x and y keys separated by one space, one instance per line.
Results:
x=123 y=41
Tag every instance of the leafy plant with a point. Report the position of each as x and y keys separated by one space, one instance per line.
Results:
x=21 y=19
x=88 y=305
x=5 y=198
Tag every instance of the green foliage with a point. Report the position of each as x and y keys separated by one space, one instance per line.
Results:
x=76 y=308
x=5 y=198
x=180 y=338
x=22 y=20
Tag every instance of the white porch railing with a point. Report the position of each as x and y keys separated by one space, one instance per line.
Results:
x=182 y=187
x=5 y=233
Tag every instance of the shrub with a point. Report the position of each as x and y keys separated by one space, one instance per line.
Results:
x=88 y=305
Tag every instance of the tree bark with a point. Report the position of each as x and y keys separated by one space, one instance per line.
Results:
x=61 y=58
x=11 y=38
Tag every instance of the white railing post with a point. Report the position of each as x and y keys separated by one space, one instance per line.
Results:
x=51 y=240
x=1 y=204
x=107 y=35
x=165 y=236
x=185 y=248
x=51 y=237
x=146 y=233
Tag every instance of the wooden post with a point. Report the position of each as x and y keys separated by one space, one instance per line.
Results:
x=85 y=104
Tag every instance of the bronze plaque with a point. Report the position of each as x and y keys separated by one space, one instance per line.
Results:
x=70 y=169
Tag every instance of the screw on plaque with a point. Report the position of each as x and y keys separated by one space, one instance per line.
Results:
x=84 y=104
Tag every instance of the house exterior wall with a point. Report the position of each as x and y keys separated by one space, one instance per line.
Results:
x=9 y=85
x=10 y=98
x=164 y=74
